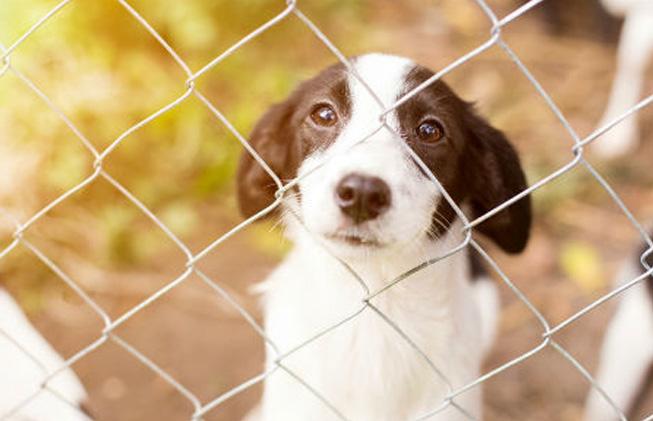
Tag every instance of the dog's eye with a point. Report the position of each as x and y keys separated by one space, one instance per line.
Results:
x=430 y=131
x=324 y=115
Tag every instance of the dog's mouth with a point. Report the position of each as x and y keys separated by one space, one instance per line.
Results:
x=354 y=240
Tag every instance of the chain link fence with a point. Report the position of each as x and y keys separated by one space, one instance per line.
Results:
x=292 y=9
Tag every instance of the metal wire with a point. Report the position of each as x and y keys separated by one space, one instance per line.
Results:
x=287 y=10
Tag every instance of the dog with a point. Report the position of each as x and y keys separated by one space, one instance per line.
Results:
x=22 y=374
x=633 y=54
x=627 y=350
x=635 y=46
x=370 y=205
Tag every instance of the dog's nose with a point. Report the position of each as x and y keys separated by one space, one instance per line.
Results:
x=362 y=197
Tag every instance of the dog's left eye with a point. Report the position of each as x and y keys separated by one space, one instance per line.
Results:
x=324 y=115
x=430 y=131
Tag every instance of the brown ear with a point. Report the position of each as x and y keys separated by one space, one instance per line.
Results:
x=273 y=139
x=496 y=175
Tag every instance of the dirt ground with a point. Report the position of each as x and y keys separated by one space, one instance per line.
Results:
x=202 y=342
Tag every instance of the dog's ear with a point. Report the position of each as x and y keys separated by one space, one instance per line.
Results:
x=274 y=140
x=495 y=175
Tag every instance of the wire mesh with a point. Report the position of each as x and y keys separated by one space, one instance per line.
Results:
x=291 y=8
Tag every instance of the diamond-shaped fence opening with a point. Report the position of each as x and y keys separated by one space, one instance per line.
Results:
x=191 y=270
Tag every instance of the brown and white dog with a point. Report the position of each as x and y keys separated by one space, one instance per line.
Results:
x=369 y=204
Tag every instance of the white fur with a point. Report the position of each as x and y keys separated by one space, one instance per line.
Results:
x=20 y=376
x=364 y=367
x=635 y=48
x=487 y=298
x=622 y=7
x=627 y=351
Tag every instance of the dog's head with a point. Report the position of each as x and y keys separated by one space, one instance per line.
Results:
x=371 y=193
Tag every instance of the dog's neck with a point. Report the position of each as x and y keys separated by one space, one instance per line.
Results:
x=312 y=291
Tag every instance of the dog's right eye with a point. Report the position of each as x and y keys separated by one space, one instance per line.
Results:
x=324 y=115
x=430 y=131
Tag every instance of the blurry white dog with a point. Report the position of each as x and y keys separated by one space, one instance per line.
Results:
x=634 y=52
x=627 y=351
x=374 y=207
x=21 y=374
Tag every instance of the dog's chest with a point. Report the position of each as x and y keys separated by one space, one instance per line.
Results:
x=387 y=361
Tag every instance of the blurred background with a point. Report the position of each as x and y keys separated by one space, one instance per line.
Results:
x=107 y=73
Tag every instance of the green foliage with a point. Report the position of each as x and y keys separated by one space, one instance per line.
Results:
x=107 y=73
